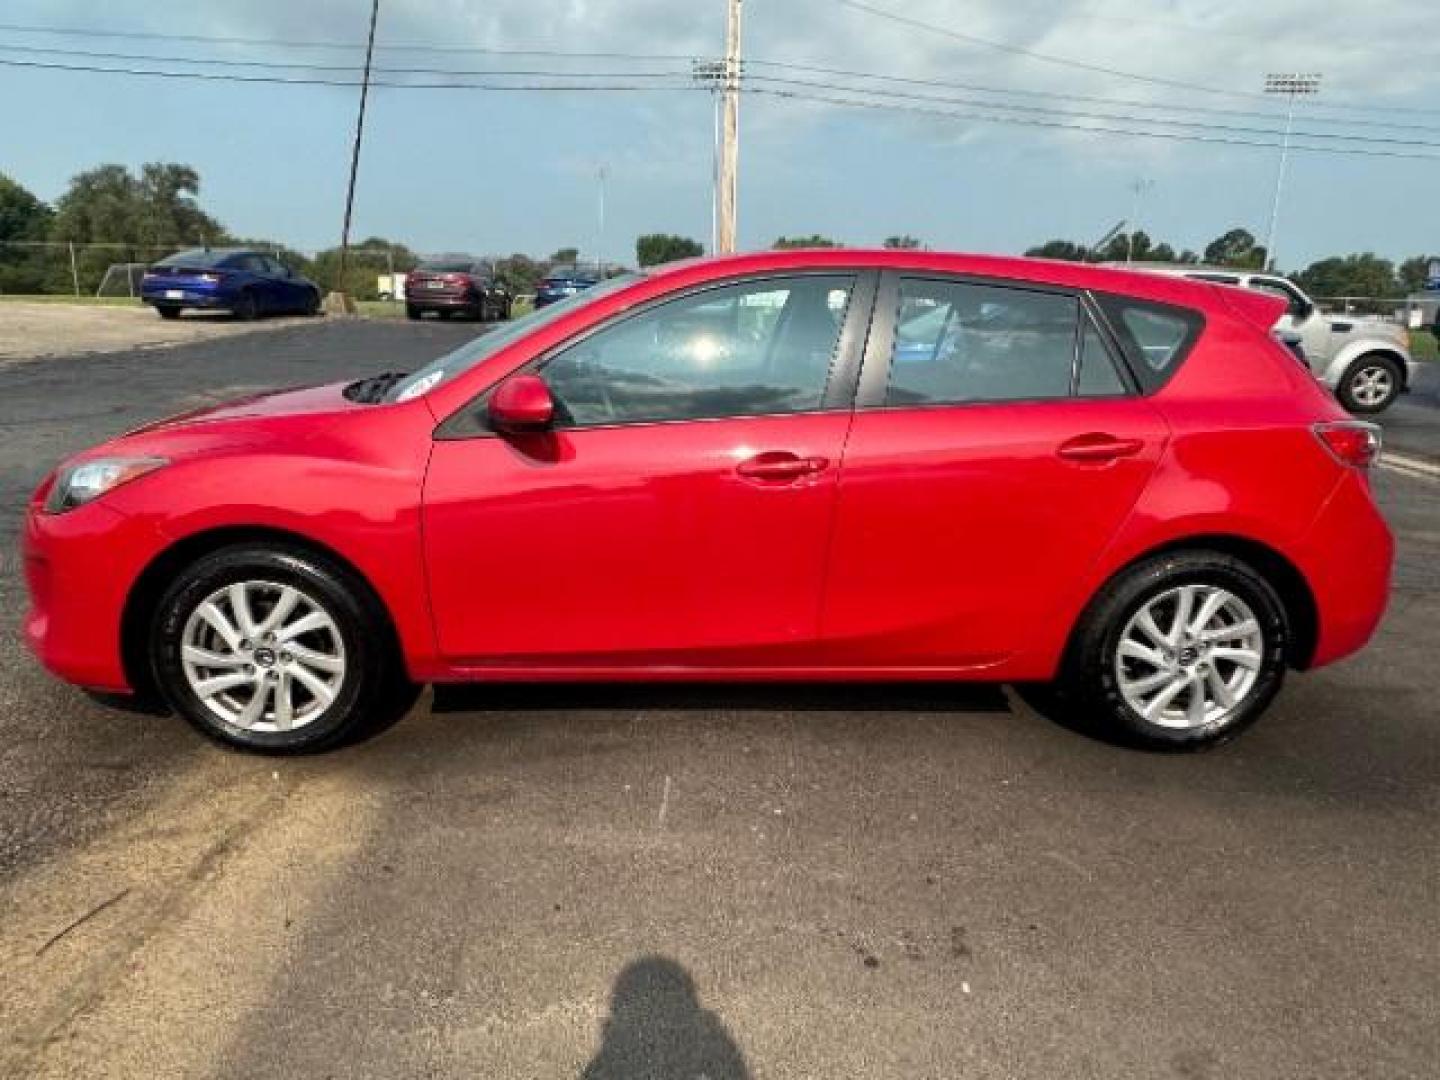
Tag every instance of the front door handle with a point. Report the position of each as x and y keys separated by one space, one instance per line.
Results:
x=1099 y=447
x=781 y=466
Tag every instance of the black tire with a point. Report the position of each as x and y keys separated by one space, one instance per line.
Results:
x=481 y=311
x=1357 y=386
x=312 y=304
x=246 y=307
x=372 y=691
x=413 y=312
x=168 y=311
x=1088 y=695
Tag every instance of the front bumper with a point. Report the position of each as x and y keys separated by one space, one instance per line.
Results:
x=79 y=569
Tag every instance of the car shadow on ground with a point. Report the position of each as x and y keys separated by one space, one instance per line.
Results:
x=710 y=697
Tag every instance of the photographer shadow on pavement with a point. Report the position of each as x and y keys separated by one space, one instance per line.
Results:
x=657 y=1030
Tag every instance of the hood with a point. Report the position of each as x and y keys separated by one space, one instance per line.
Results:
x=307 y=401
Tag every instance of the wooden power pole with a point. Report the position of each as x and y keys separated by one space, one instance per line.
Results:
x=341 y=303
x=730 y=132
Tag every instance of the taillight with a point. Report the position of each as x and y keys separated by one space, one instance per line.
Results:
x=1352 y=442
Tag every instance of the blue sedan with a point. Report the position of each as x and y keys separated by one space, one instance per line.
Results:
x=247 y=283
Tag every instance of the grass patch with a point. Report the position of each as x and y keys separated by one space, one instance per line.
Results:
x=1423 y=346
x=80 y=301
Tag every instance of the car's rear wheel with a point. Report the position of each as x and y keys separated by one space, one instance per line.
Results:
x=273 y=649
x=168 y=311
x=1371 y=384
x=412 y=312
x=246 y=307
x=1180 y=652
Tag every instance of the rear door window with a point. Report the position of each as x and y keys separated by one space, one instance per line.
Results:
x=960 y=341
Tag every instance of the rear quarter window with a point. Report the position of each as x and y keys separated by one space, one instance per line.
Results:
x=1155 y=338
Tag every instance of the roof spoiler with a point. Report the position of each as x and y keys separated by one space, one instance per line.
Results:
x=1261 y=310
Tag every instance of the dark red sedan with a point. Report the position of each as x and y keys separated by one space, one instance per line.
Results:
x=800 y=466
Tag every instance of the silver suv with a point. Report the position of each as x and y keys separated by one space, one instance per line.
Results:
x=1365 y=361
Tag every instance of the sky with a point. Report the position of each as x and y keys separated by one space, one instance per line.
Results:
x=495 y=171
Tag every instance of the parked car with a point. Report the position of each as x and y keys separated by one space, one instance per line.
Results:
x=447 y=286
x=781 y=466
x=247 y=283
x=1366 y=362
x=563 y=282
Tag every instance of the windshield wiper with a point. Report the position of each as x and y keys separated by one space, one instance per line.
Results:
x=372 y=391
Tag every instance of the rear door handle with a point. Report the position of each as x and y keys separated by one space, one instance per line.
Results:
x=780 y=465
x=1099 y=447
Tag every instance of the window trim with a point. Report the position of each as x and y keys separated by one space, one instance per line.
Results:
x=471 y=420
x=879 y=356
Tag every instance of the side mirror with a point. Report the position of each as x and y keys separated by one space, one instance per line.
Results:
x=522 y=403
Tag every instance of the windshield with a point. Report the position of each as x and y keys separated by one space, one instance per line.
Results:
x=444 y=267
x=196 y=257
x=487 y=345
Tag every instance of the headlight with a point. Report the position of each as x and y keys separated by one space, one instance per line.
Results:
x=79 y=484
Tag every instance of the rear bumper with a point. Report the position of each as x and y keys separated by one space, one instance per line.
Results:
x=77 y=595
x=442 y=301
x=1347 y=559
x=188 y=297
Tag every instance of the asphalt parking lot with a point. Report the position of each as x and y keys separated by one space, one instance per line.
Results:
x=729 y=882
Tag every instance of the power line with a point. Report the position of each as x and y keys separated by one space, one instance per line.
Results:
x=1132 y=103
x=1171 y=136
x=1081 y=65
x=1073 y=115
x=284 y=66
x=687 y=58
x=139 y=35
x=206 y=76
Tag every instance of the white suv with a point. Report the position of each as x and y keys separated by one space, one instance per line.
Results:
x=1365 y=361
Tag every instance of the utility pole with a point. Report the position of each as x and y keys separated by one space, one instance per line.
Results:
x=1292 y=86
x=341 y=301
x=730 y=132
x=1139 y=188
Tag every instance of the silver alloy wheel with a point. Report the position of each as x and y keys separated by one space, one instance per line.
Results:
x=1190 y=657
x=263 y=656
x=1372 y=385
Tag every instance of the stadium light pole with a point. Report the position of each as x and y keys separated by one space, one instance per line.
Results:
x=1292 y=85
x=337 y=300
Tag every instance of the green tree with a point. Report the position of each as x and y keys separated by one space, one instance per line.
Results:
x=364 y=266
x=903 y=243
x=1067 y=250
x=815 y=240
x=519 y=273
x=652 y=249
x=141 y=216
x=565 y=255
x=1350 y=275
x=1414 y=272
x=1236 y=248
x=22 y=217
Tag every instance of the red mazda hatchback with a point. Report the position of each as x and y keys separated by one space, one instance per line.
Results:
x=801 y=465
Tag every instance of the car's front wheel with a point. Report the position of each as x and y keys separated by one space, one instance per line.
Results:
x=276 y=650
x=1181 y=651
x=1371 y=384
